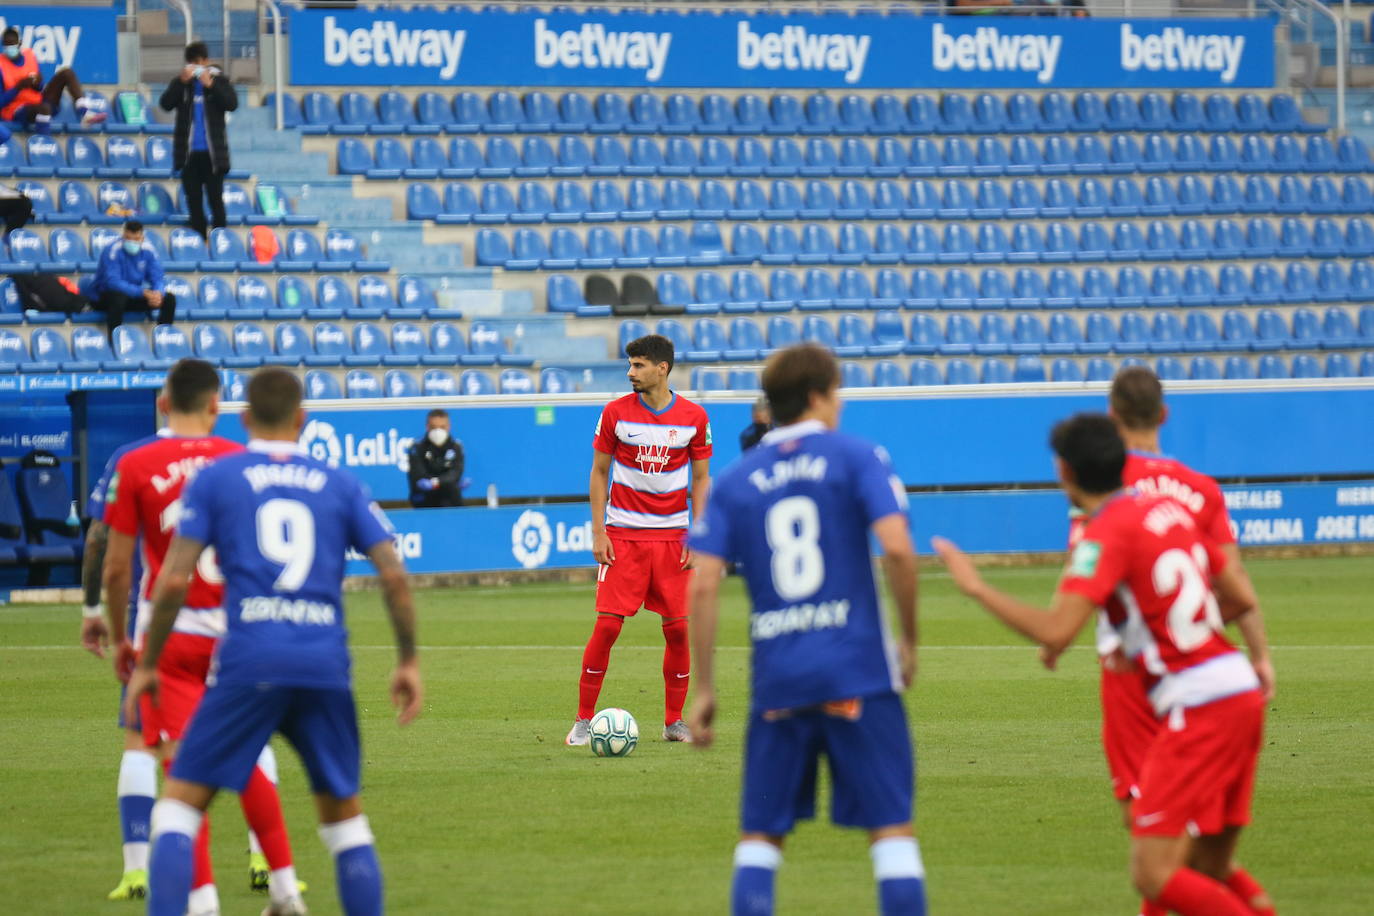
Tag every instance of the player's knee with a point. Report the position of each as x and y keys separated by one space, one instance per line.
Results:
x=1149 y=876
x=43 y=108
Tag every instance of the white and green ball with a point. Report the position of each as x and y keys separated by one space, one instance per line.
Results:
x=614 y=733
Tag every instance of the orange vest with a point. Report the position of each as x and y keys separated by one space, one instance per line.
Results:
x=11 y=72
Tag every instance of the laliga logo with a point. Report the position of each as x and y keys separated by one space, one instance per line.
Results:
x=321 y=442
x=531 y=539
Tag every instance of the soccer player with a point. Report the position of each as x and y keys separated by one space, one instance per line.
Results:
x=796 y=512
x=644 y=447
x=142 y=505
x=281 y=524
x=1143 y=558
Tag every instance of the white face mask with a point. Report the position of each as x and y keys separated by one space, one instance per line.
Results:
x=438 y=435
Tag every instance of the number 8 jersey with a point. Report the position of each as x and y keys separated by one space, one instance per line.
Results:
x=282 y=524
x=795 y=514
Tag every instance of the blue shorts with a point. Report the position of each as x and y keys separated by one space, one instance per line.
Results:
x=871 y=766
x=137 y=724
x=233 y=722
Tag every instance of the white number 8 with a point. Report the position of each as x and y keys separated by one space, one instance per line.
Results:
x=793 y=527
x=286 y=535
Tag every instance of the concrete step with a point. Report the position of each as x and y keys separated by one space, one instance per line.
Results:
x=277 y=166
x=569 y=349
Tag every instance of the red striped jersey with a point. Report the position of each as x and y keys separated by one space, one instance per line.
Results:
x=651 y=454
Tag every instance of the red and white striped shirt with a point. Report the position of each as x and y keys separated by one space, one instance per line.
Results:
x=651 y=455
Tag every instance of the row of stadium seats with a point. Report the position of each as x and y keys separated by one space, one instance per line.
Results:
x=211 y=298
x=129 y=113
x=41 y=156
x=494 y=203
x=34 y=527
x=744 y=339
x=249 y=345
x=66 y=251
x=955 y=113
x=744 y=291
x=784 y=157
x=153 y=204
x=397 y=383
x=703 y=244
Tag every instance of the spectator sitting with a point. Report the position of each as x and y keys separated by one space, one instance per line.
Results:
x=128 y=277
x=763 y=422
x=436 y=465
x=24 y=97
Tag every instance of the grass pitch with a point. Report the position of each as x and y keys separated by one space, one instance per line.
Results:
x=479 y=808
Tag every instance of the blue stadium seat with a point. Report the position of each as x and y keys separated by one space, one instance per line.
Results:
x=1065 y=370
x=925 y=372
x=1064 y=336
x=132 y=349
x=469 y=114
x=854 y=375
x=252 y=343
x=360 y=384
x=464 y=159
x=354 y=158
x=1271 y=367
x=993 y=336
x=227 y=253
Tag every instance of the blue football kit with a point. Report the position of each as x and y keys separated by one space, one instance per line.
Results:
x=795 y=514
x=282 y=525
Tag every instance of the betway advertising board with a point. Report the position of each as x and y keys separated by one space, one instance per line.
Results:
x=80 y=37
x=465 y=48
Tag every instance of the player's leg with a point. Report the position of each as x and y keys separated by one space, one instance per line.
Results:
x=259 y=870
x=898 y=870
x=1214 y=856
x=348 y=837
x=136 y=792
x=179 y=827
x=1160 y=873
x=620 y=591
x=262 y=810
x=757 y=858
x=1129 y=727
x=667 y=597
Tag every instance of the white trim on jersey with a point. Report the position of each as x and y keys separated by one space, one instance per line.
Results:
x=792 y=431
x=621 y=518
x=659 y=482
x=1217 y=678
x=1108 y=639
x=276 y=447
x=633 y=434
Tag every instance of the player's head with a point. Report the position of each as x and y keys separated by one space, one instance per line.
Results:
x=191 y=390
x=761 y=413
x=802 y=382
x=1137 y=399
x=651 y=359
x=274 y=405
x=437 y=419
x=1090 y=455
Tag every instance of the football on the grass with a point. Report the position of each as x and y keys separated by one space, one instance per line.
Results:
x=614 y=733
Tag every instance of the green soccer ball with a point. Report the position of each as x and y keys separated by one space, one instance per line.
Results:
x=614 y=733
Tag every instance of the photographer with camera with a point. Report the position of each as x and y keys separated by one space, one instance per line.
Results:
x=200 y=95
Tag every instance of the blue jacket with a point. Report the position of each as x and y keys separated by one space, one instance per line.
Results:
x=130 y=274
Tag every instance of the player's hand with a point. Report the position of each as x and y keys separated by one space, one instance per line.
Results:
x=906 y=656
x=153 y=296
x=1049 y=657
x=95 y=635
x=602 y=549
x=686 y=557
x=143 y=680
x=406 y=693
x=187 y=73
x=1264 y=670
x=960 y=566
x=124 y=658
x=701 y=716
x=1117 y=663
x=207 y=77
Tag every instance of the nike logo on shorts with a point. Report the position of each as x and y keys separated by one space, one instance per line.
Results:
x=1149 y=820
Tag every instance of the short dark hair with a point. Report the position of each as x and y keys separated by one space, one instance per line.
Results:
x=1137 y=398
x=197 y=50
x=436 y=413
x=274 y=395
x=190 y=383
x=133 y=226
x=654 y=347
x=1091 y=446
x=9 y=33
x=792 y=374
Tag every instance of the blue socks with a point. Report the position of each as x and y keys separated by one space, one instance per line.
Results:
x=137 y=789
x=356 y=868
x=174 y=828
x=901 y=876
x=751 y=892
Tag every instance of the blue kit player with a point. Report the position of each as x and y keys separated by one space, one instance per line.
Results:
x=281 y=524
x=796 y=513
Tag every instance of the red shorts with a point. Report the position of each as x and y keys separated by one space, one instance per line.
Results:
x=1200 y=772
x=181 y=673
x=645 y=574
x=1129 y=727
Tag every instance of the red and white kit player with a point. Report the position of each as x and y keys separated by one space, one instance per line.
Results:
x=651 y=447
x=143 y=506
x=1143 y=558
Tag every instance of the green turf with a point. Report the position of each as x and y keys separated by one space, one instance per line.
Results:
x=478 y=808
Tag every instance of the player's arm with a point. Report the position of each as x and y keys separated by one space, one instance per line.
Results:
x=117 y=576
x=598 y=491
x=703 y=607
x=893 y=534
x=1054 y=629
x=169 y=596
x=95 y=635
x=406 y=691
x=1249 y=621
x=701 y=489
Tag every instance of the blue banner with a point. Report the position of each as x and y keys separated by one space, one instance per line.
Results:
x=427 y=47
x=83 y=38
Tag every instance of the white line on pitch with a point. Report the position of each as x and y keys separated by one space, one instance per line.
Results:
x=579 y=648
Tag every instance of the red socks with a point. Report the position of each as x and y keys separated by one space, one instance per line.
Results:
x=1191 y=893
x=1249 y=890
x=595 y=658
x=677 y=668
x=1150 y=908
x=262 y=810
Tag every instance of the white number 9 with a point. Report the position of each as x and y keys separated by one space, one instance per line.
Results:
x=286 y=536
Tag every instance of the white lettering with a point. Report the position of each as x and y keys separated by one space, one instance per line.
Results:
x=273 y=609
x=1167 y=515
x=1336 y=528
x=1164 y=485
x=987 y=49
x=385 y=44
x=594 y=47
x=799 y=618
x=262 y=476
x=795 y=48
x=802 y=467
x=1174 y=49
x=1271 y=531
x=1254 y=499
x=1355 y=496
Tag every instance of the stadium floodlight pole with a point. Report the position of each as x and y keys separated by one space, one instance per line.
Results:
x=276 y=60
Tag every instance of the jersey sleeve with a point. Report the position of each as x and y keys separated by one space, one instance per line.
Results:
x=713 y=532
x=1217 y=526
x=1096 y=566
x=603 y=440
x=95 y=503
x=700 y=446
x=367 y=525
x=881 y=492
x=121 y=508
x=197 y=515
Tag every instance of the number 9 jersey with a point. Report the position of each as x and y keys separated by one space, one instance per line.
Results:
x=282 y=524
x=794 y=513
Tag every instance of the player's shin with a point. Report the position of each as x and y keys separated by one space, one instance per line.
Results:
x=137 y=790
x=901 y=876
x=677 y=668
x=751 y=891
x=1250 y=892
x=175 y=826
x=356 y=868
x=267 y=762
x=595 y=659
x=262 y=810
x=1191 y=893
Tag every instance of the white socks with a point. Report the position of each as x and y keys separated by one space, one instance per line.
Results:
x=897 y=857
x=757 y=854
x=172 y=816
x=342 y=836
x=138 y=784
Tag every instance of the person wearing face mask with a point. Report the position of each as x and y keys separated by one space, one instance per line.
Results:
x=200 y=95
x=129 y=277
x=436 y=465
x=26 y=98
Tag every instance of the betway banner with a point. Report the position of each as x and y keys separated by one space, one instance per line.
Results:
x=82 y=38
x=438 y=48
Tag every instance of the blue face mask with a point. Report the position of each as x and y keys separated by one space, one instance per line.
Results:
x=12 y=52
x=132 y=247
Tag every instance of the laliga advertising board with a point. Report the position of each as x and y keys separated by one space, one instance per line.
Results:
x=438 y=48
x=82 y=38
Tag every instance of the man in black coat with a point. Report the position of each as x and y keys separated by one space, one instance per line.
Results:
x=200 y=95
x=436 y=465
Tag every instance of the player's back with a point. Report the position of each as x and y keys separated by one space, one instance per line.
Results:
x=1160 y=475
x=801 y=505
x=282 y=524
